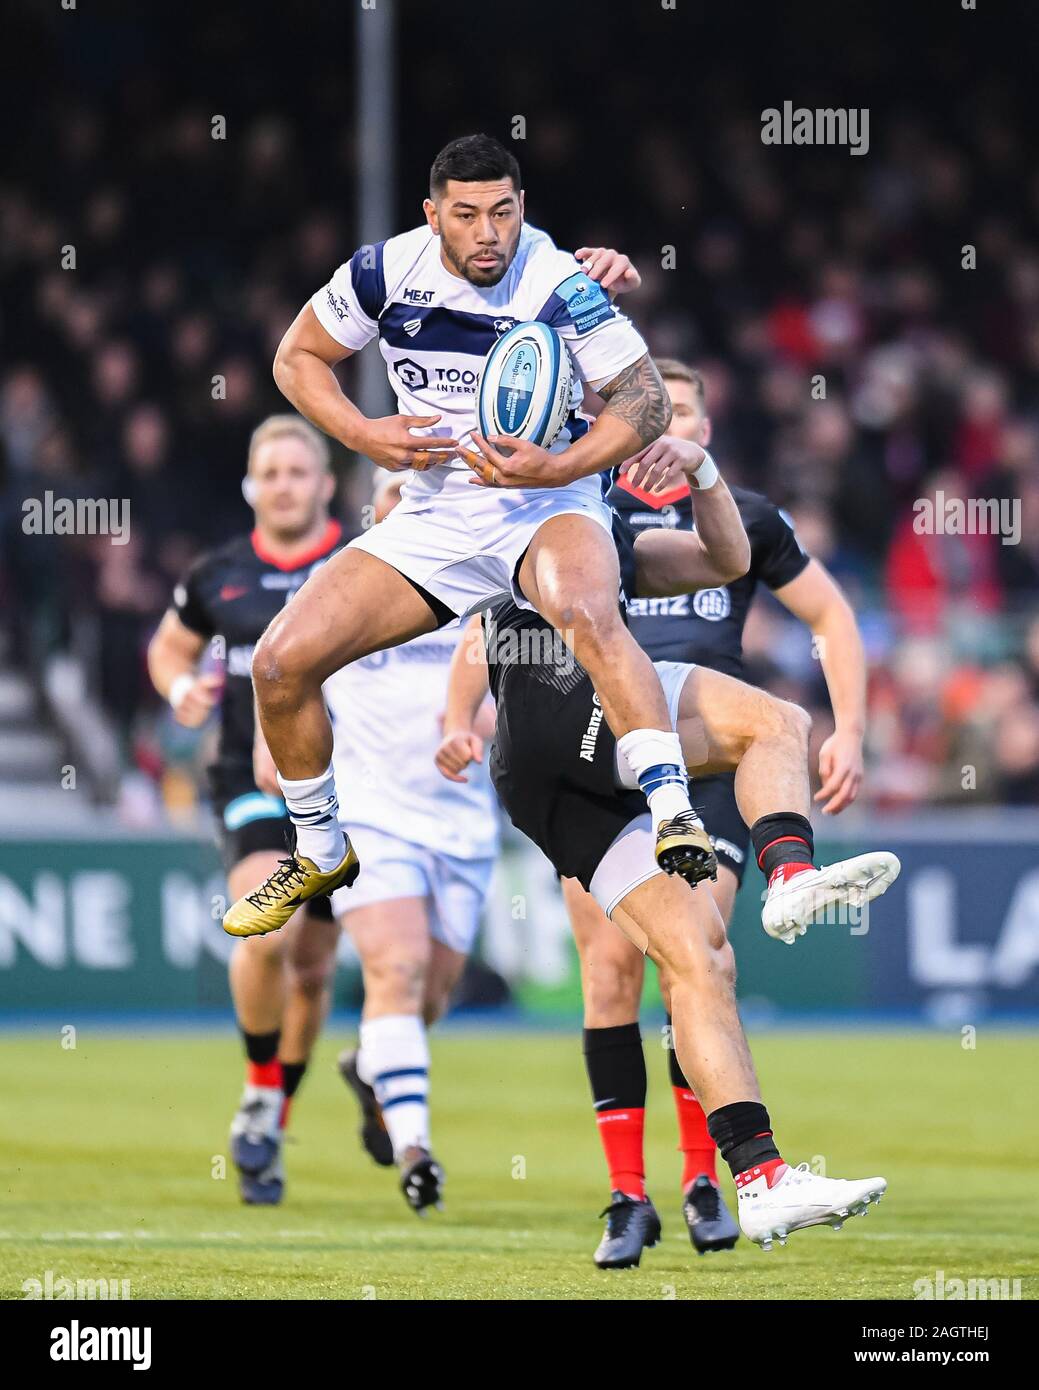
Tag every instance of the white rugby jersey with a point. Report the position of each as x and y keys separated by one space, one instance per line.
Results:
x=435 y=329
x=385 y=712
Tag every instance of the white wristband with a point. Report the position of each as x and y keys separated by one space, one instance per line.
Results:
x=180 y=687
x=706 y=475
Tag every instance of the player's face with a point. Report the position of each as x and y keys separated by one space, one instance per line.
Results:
x=688 y=420
x=291 y=490
x=479 y=225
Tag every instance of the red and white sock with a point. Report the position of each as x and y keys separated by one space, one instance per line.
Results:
x=264 y=1074
x=771 y=1170
x=783 y=873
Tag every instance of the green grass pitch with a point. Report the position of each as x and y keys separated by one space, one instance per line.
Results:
x=111 y=1170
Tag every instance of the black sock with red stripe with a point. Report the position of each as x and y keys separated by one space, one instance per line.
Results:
x=262 y=1067
x=782 y=838
x=616 y=1067
x=743 y=1133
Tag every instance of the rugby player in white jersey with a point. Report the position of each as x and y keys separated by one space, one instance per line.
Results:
x=437 y=298
x=428 y=847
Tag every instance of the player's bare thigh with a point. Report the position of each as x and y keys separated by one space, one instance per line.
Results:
x=678 y=927
x=718 y=719
x=570 y=572
x=641 y=926
x=723 y=891
x=392 y=939
x=353 y=605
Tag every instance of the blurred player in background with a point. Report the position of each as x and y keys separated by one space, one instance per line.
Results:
x=280 y=985
x=428 y=848
x=705 y=628
x=437 y=299
x=564 y=782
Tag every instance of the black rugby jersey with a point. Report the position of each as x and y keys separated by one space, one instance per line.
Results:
x=705 y=627
x=233 y=593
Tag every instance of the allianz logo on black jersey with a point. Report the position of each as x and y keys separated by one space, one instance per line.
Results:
x=714 y=605
x=291 y=581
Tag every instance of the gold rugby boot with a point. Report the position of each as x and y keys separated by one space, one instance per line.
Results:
x=295 y=881
x=683 y=847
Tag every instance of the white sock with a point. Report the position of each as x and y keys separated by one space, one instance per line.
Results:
x=656 y=759
x=314 y=810
x=394 y=1060
x=623 y=773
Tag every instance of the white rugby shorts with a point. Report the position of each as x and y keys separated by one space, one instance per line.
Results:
x=455 y=890
x=463 y=543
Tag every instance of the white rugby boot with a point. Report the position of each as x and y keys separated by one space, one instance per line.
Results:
x=797 y=1198
x=256 y=1128
x=795 y=900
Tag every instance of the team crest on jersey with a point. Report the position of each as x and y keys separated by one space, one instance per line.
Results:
x=412 y=326
x=503 y=326
x=712 y=604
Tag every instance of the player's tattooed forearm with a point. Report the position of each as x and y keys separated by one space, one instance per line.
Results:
x=639 y=397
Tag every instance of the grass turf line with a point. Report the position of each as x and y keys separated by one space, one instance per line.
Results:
x=109 y=1152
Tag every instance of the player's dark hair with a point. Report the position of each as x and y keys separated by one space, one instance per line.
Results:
x=473 y=159
x=671 y=369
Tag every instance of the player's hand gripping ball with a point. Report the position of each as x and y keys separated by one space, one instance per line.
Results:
x=525 y=389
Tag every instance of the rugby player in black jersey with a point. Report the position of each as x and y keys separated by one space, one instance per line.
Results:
x=705 y=628
x=557 y=772
x=280 y=983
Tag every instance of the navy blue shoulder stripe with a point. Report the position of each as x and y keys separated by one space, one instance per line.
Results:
x=554 y=312
x=369 y=278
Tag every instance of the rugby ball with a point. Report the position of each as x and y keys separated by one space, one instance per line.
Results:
x=525 y=385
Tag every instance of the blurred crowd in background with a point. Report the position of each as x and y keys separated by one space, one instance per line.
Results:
x=857 y=357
